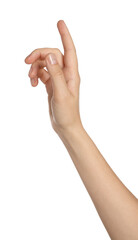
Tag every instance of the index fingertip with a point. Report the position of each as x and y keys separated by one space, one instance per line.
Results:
x=61 y=21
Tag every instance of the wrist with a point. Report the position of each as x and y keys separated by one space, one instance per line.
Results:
x=67 y=134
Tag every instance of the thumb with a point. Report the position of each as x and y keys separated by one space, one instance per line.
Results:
x=56 y=74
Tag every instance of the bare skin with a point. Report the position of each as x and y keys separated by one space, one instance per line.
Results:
x=116 y=205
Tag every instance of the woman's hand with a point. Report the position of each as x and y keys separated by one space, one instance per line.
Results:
x=61 y=78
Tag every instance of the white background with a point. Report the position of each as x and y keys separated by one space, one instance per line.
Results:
x=41 y=193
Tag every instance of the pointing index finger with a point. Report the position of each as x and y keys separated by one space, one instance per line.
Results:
x=65 y=36
x=68 y=45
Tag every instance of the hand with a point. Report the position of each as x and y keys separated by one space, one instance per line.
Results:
x=61 y=78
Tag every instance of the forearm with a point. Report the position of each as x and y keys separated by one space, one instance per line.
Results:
x=115 y=204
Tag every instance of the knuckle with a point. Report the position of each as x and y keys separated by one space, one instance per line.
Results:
x=57 y=50
x=73 y=49
x=35 y=50
x=58 y=74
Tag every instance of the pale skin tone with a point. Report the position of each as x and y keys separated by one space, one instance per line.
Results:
x=116 y=205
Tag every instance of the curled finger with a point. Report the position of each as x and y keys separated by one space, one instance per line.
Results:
x=43 y=75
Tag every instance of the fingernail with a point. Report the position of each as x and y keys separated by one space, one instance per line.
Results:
x=52 y=59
